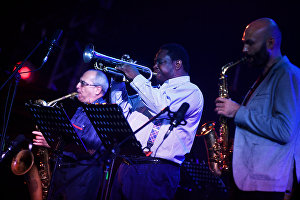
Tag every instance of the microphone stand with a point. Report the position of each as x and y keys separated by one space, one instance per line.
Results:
x=17 y=77
x=166 y=109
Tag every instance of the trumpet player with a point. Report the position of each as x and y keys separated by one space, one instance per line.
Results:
x=79 y=176
x=156 y=176
x=266 y=153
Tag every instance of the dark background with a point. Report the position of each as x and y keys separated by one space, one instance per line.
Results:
x=211 y=32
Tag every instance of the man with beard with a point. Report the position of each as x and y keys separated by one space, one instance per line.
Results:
x=157 y=175
x=266 y=159
x=79 y=175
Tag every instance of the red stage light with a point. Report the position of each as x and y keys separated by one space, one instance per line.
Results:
x=24 y=71
x=25 y=75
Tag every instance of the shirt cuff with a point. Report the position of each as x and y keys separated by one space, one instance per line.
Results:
x=138 y=81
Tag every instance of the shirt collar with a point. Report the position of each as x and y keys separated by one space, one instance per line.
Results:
x=176 y=80
x=99 y=101
x=284 y=59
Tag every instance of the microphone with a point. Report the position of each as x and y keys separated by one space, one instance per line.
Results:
x=178 y=116
x=15 y=145
x=54 y=40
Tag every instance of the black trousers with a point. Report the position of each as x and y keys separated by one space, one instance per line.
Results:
x=256 y=195
x=78 y=182
x=145 y=181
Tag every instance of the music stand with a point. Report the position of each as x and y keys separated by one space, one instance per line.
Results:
x=56 y=127
x=113 y=128
x=115 y=134
x=58 y=131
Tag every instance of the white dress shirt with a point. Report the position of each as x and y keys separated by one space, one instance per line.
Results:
x=150 y=101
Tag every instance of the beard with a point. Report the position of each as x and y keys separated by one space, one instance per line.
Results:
x=260 y=59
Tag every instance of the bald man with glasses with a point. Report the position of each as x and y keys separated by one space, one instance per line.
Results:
x=80 y=176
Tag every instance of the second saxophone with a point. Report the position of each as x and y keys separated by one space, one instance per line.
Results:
x=36 y=167
x=218 y=148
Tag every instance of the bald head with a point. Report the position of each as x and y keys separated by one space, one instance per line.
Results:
x=265 y=28
x=262 y=40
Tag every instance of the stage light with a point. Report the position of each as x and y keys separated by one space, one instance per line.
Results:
x=25 y=71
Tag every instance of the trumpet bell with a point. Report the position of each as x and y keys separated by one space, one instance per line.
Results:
x=88 y=53
x=22 y=162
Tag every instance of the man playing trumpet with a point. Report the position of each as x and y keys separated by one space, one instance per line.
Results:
x=157 y=176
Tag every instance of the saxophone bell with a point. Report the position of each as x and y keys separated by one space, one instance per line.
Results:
x=212 y=146
x=24 y=159
x=22 y=162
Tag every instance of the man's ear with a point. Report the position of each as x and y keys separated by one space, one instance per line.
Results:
x=270 y=43
x=98 y=90
x=178 y=64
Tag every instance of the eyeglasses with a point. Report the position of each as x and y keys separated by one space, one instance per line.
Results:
x=83 y=84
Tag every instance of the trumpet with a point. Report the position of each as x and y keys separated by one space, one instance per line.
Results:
x=90 y=54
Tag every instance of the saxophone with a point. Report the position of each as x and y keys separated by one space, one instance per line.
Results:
x=218 y=149
x=44 y=170
x=37 y=168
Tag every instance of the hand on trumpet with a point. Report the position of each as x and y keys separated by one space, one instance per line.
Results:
x=39 y=139
x=130 y=71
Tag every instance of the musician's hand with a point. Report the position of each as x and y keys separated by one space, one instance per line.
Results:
x=130 y=71
x=39 y=139
x=226 y=107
